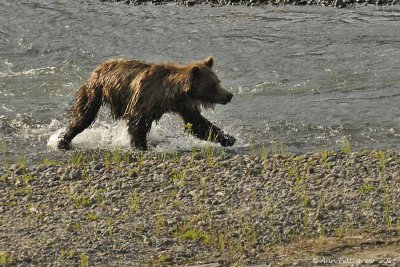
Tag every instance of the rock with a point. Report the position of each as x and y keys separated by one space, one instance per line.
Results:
x=98 y=166
x=13 y=167
x=19 y=171
x=331 y=159
x=74 y=175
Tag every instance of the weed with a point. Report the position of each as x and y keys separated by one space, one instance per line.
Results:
x=99 y=196
x=134 y=201
x=345 y=147
x=195 y=235
x=28 y=178
x=49 y=163
x=163 y=259
x=80 y=200
x=107 y=159
x=110 y=226
x=367 y=188
x=84 y=260
x=159 y=224
x=77 y=159
x=22 y=162
x=132 y=173
x=178 y=175
x=5 y=259
x=340 y=232
x=71 y=253
x=265 y=152
x=92 y=217
x=189 y=128
x=4 y=155
x=74 y=227
x=63 y=254
x=24 y=191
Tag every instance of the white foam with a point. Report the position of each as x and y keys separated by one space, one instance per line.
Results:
x=109 y=135
x=31 y=72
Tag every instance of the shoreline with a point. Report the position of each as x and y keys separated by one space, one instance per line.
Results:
x=213 y=3
x=205 y=207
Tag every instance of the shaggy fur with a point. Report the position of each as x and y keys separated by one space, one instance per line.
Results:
x=141 y=93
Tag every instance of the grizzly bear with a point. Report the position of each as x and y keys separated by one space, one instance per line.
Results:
x=141 y=93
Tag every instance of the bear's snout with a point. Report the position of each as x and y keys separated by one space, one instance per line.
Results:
x=227 y=98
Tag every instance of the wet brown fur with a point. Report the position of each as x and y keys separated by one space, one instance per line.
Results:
x=141 y=93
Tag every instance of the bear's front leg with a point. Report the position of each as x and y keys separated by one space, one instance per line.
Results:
x=138 y=130
x=205 y=130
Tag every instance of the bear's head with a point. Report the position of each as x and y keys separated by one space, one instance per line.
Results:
x=205 y=86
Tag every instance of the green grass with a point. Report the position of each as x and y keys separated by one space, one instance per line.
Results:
x=92 y=217
x=78 y=159
x=367 y=188
x=195 y=235
x=4 y=154
x=134 y=200
x=84 y=259
x=345 y=148
x=178 y=175
x=81 y=200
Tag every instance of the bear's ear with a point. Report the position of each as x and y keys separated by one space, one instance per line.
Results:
x=209 y=61
x=193 y=75
x=195 y=71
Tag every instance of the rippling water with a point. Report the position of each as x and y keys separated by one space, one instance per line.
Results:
x=304 y=77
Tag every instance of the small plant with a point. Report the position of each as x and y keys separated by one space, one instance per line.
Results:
x=5 y=259
x=134 y=200
x=178 y=175
x=92 y=217
x=4 y=154
x=345 y=148
x=265 y=152
x=63 y=254
x=80 y=200
x=49 y=163
x=340 y=232
x=22 y=162
x=159 y=224
x=367 y=188
x=163 y=259
x=189 y=128
x=110 y=226
x=75 y=227
x=140 y=159
x=195 y=235
x=71 y=253
x=132 y=173
x=84 y=260
x=118 y=156
x=27 y=178
x=107 y=159
x=77 y=159
x=99 y=196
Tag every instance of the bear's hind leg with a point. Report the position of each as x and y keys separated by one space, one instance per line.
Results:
x=138 y=130
x=204 y=129
x=83 y=113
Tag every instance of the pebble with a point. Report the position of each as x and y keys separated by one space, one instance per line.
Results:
x=74 y=174
x=129 y=219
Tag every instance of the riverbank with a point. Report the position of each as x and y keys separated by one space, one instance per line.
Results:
x=206 y=207
x=334 y=3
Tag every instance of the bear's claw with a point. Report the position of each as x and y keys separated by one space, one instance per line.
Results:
x=62 y=144
x=228 y=140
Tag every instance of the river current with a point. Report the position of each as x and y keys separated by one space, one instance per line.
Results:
x=302 y=77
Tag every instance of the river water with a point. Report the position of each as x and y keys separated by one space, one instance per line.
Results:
x=302 y=77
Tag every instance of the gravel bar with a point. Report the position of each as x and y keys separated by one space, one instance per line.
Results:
x=210 y=207
x=215 y=3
